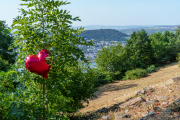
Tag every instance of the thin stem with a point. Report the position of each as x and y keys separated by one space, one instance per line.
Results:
x=43 y=101
x=50 y=40
x=46 y=95
x=36 y=47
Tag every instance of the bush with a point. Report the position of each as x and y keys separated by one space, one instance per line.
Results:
x=116 y=75
x=7 y=88
x=4 y=65
x=178 y=58
x=113 y=59
x=103 y=77
x=151 y=69
x=135 y=74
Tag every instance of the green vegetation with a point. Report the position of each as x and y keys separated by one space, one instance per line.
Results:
x=103 y=77
x=104 y=34
x=26 y=95
x=140 y=55
x=112 y=59
x=6 y=40
x=178 y=59
x=135 y=74
x=151 y=69
x=139 y=50
x=4 y=65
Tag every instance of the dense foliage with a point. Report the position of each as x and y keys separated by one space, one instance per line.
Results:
x=4 y=65
x=141 y=54
x=6 y=39
x=103 y=77
x=151 y=69
x=68 y=83
x=139 y=50
x=165 y=46
x=178 y=59
x=112 y=59
x=135 y=74
x=26 y=95
x=104 y=34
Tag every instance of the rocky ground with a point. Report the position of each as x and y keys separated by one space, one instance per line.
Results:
x=158 y=102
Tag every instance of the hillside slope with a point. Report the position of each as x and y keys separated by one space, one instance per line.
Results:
x=104 y=34
x=119 y=91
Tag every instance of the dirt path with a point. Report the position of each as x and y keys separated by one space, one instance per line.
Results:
x=119 y=91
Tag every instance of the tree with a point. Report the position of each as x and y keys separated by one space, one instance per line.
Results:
x=171 y=48
x=139 y=50
x=104 y=34
x=46 y=26
x=112 y=59
x=165 y=46
x=6 y=39
x=177 y=31
x=4 y=65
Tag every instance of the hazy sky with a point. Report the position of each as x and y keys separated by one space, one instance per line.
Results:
x=110 y=12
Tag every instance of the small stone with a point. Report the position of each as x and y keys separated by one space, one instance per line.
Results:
x=167 y=85
x=167 y=111
x=103 y=110
x=157 y=109
x=126 y=116
x=147 y=89
x=132 y=102
x=156 y=104
x=172 y=98
x=170 y=90
x=147 y=99
x=148 y=103
x=126 y=111
x=149 y=114
x=140 y=92
x=118 y=115
x=164 y=103
x=116 y=106
x=176 y=79
x=177 y=88
x=175 y=106
x=106 y=117
x=162 y=98
x=143 y=118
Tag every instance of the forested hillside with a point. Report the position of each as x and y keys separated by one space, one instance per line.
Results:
x=104 y=34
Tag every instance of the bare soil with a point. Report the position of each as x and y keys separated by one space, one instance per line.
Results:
x=119 y=91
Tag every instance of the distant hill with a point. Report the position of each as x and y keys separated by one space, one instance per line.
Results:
x=93 y=27
x=104 y=34
x=150 y=30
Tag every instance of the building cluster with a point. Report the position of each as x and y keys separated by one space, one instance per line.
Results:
x=90 y=52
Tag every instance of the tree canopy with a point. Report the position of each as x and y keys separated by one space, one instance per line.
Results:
x=6 y=39
x=139 y=50
x=112 y=59
x=67 y=84
x=104 y=34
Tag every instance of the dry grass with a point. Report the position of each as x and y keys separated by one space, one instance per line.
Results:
x=119 y=91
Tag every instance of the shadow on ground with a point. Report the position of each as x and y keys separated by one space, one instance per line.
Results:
x=113 y=87
x=95 y=115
